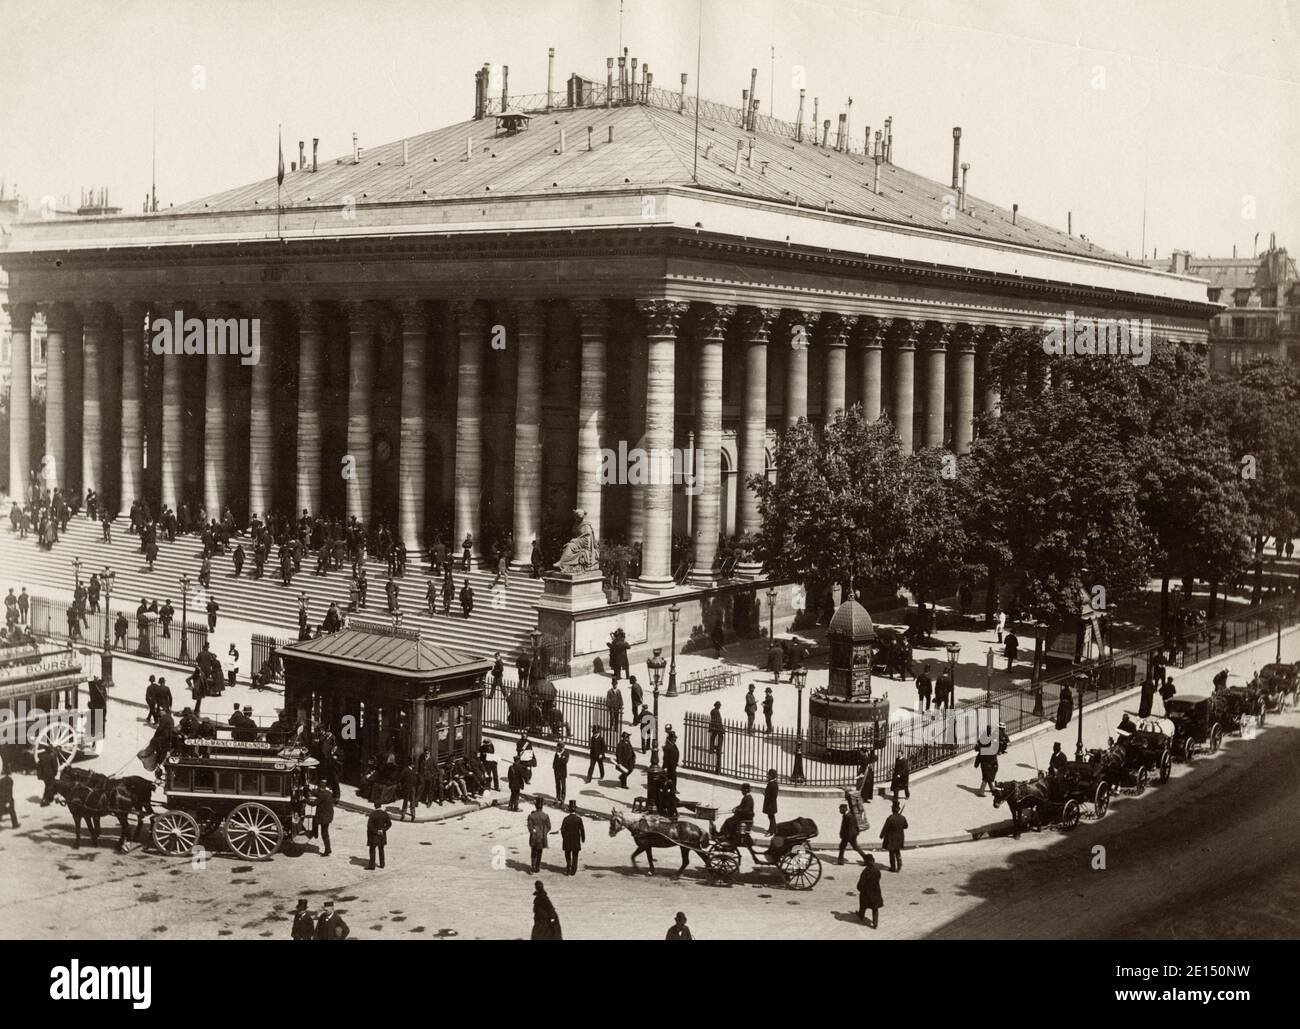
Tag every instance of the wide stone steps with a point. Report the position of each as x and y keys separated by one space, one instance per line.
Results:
x=501 y=622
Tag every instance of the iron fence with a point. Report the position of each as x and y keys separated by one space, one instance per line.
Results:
x=547 y=713
x=50 y=618
x=266 y=654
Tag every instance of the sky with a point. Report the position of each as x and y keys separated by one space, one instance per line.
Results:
x=1187 y=109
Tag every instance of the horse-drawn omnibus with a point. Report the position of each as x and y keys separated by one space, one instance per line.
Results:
x=252 y=784
x=40 y=690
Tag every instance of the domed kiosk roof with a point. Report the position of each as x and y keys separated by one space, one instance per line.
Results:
x=851 y=621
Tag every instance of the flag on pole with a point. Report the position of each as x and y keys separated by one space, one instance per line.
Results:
x=279 y=144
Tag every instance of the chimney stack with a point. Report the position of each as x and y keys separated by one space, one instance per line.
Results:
x=550 y=78
x=956 y=151
x=879 y=159
x=631 y=93
x=877 y=151
x=889 y=139
x=561 y=150
x=622 y=78
x=1234 y=251
x=740 y=146
x=826 y=130
x=505 y=87
x=609 y=81
x=816 y=103
x=866 y=143
x=839 y=133
x=302 y=154
x=847 y=111
x=798 y=125
x=406 y=152
x=315 y=141
x=478 y=94
x=648 y=81
x=961 y=206
x=469 y=148
x=356 y=151
x=1015 y=210
x=589 y=131
x=681 y=103
x=744 y=109
x=753 y=114
x=749 y=157
x=753 y=92
x=611 y=134
x=1069 y=223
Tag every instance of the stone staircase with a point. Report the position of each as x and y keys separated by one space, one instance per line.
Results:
x=503 y=622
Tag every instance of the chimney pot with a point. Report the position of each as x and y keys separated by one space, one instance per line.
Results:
x=589 y=131
x=315 y=141
x=744 y=109
x=550 y=78
x=505 y=87
x=826 y=130
x=681 y=103
x=839 y=133
x=815 y=123
x=561 y=141
x=956 y=151
x=740 y=147
x=753 y=92
x=1015 y=210
x=611 y=134
x=302 y=153
x=609 y=81
x=798 y=125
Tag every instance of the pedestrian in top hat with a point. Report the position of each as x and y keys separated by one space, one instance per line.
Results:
x=638 y=695
x=625 y=758
x=678 y=930
x=304 y=922
x=546 y=923
x=770 y=793
x=892 y=837
x=671 y=756
x=751 y=708
x=560 y=768
x=768 y=704
x=775 y=662
x=377 y=826
x=869 y=892
x=573 y=834
x=324 y=817
x=899 y=780
x=330 y=925
x=539 y=827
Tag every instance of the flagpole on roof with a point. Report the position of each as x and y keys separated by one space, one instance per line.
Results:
x=279 y=175
x=699 y=36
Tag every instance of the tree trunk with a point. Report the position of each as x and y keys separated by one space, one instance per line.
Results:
x=1039 y=642
x=1258 y=590
x=990 y=596
x=1164 y=606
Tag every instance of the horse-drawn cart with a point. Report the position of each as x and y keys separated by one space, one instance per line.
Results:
x=1279 y=682
x=1199 y=721
x=39 y=701
x=254 y=789
x=1149 y=748
x=790 y=852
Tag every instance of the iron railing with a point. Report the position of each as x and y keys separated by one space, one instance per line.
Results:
x=49 y=618
x=266 y=651
x=547 y=713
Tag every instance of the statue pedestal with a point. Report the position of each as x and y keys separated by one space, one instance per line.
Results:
x=565 y=593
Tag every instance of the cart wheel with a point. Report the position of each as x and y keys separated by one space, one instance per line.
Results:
x=1166 y=766
x=1189 y=750
x=1143 y=777
x=723 y=865
x=60 y=737
x=1263 y=714
x=1216 y=737
x=1070 y=814
x=253 y=831
x=801 y=868
x=175 y=833
x=1101 y=799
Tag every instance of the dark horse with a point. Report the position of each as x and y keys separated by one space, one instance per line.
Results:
x=651 y=831
x=1022 y=797
x=90 y=796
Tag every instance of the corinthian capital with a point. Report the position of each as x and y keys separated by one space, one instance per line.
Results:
x=662 y=317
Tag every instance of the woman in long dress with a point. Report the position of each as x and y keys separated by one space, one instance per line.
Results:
x=546 y=923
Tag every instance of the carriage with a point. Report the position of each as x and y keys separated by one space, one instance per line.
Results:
x=891 y=654
x=1279 y=683
x=1148 y=749
x=1199 y=721
x=1077 y=784
x=40 y=686
x=1243 y=708
x=254 y=790
x=790 y=852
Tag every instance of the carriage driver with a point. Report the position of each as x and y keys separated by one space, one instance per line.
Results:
x=741 y=813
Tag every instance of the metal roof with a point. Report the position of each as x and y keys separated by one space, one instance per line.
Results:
x=395 y=652
x=652 y=146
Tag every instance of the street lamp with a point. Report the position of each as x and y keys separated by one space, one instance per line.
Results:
x=953 y=649
x=674 y=613
x=1081 y=680
x=536 y=635
x=771 y=614
x=800 y=677
x=106 y=659
x=185 y=608
x=656 y=668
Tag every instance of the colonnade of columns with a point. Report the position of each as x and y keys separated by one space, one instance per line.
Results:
x=667 y=330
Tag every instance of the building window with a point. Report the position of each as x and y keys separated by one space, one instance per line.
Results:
x=1238 y=326
x=1240 y=297
x=1214 y=295
x=1234 y=358
x=1268 y=297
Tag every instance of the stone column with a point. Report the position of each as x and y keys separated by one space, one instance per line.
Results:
x=706 y=455
x=530 y=332
x=963 y=403
x=755 y=328
x=991 y=399
x=870 y=334
x=835 y=332
x=361 y=348
x=415 y=405
x=132 y=457
x=638 y=348
x=593 y=321
x=261 y=424
x=902 y=339
x=215 y=428
x=57 y=319
x=172 y=457
x=92 y=416
x=798 y=333
x=936 y=336
x=311 y=346
x=662 y=318
x=20 y=398
x=471 y=327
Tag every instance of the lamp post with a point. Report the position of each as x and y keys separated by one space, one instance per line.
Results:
x=771 y=615
x=954 y=649
x=1081 y=680
x=656 y=668
x=185 y=608
x=536 y=635
x=674 y=613
x=800 y=677
x=106 y=659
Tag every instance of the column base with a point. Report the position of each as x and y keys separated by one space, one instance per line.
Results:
x=749 y=569
x=704 y=579
x=654 y=584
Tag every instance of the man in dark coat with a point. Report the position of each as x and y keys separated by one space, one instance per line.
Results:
x=47 y=771
x=377 y=825
x=901 y=773
x=638 y=696
x=869 y=893
x=770 y=793
x=1010 y=647
x=671 y=756
x=304 y=922
x=943 y=690
x=330 y=925
x=466 y=552
x=560 y=768
x=614 y=707
x=1167 y=692
x=625 y=756
x=515 y=780
x=678 y=930
x=1058 y=760
x=238 y=558
x=849 y=829
x=924 y=687
x=618 y=654
x=596 y=746
x=466 y=599
x=768 y=704
x=535 y=560
x=751 y=708
x=573 y=834
x=213 y=607
x=1065 y=709
x=539 y=828
x=775 y=661
x=546 y=923
x=988 y=766
x=324 y=816
x=448 y=594
x=7 y=798
x=892 y=837
x=716 y=729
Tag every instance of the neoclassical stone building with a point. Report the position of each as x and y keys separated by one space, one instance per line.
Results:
x=463 y=321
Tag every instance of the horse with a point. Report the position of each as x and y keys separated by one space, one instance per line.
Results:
x=1020 y=796
x=650 y=831
x=90 y=796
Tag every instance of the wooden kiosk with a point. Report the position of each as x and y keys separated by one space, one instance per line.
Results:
x=377 y=685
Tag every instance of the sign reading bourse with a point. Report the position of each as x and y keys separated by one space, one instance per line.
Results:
x=591 y=636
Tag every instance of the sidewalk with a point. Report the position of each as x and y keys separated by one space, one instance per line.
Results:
x=945 y=806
